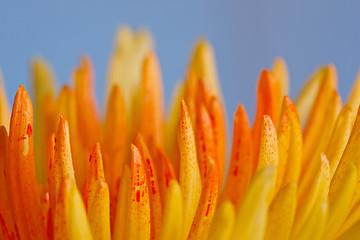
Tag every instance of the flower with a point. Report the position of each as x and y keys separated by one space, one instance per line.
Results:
x=71 y=174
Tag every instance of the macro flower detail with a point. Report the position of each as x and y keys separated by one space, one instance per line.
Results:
x=67 y=172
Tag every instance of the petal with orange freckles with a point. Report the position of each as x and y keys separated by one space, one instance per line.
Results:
x=139 y=225
x=250 y=221
x=267 y=104
x=152 y=114
x=120 y=222
x=281 y=214
x=88 y=119
x=173 y=213
x=153 y=186
x=223 y=222
x=207 y=204
x=22 y=183
x=217 y=115
x=96 y=197
x=190 y=180
x=205 y=140
x=6 y=218
x=241 y=162
x=269 y=152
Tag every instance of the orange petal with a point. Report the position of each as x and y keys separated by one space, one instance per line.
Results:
x=165 y=174
x=205 y=140
x=23 y=188
x=284 y=133
x=139 y=204
x=88 y=120
x=217 y=116
x=114 y=144
x=6 y=217
x=153 y=187
x=152 y=116
x=241 y=162
x=207 y=204
x=267 y=104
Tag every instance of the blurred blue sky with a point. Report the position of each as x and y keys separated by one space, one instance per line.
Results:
x=246 y=36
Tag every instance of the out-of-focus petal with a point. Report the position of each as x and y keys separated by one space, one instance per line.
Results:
x=339 y=207
x=173 y=213
x=281 y=72
x=281 y=214
x=250 y=221
x=223 y=222
x=4 y=105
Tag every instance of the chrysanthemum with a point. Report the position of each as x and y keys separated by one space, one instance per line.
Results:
x=133 y=174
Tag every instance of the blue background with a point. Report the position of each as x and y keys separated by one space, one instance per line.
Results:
x=246 y=36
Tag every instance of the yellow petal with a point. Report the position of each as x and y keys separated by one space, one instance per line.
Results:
x=284 y=133
x=311 y=164
x=44 y=86
x=281 y=72
x=120 y=223
x=78 y=223
x=281 y=213
x=354 y=96
x=352 y=233
x=203 y=66
x=317 y=193
x=351 y=154
x=251 y=219
x=339 y=138
x=173 y=213
x=268 y=154
x=294 y=159
x=96 y=197
x=307 y=95
x=190 y=181
x=223 y=223
x=315 y=223
x=339 y=207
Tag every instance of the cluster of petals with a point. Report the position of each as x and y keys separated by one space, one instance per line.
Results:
x=66 y=172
